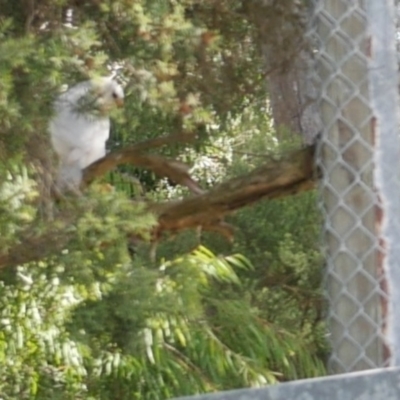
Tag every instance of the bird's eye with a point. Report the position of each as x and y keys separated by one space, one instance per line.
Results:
x=114 y=95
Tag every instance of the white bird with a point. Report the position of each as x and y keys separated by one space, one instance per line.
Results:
x=80 y=127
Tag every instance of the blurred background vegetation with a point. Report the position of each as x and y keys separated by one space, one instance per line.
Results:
x=88 y=318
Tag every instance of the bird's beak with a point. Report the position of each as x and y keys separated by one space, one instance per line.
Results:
x=119 y=102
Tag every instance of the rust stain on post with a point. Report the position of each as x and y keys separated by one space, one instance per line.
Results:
x=381 y=254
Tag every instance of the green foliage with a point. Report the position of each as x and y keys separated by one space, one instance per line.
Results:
x=38 y=359
x=152 y=333
x=16 y=191
x=80 y=317
x=281 y=238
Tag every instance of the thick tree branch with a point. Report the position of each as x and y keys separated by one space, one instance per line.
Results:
x=291 y=174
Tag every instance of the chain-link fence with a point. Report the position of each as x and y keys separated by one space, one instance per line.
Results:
x=360 y=162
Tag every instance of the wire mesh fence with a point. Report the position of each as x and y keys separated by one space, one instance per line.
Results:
x=359 y=157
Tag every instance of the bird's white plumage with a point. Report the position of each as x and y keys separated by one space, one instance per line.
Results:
x=79 y=137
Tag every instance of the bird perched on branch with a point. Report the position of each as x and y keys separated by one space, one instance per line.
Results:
x=81 y=126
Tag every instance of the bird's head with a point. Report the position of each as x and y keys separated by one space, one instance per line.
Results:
x=109 y=93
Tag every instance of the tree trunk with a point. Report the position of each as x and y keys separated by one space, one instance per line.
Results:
x=293 y=101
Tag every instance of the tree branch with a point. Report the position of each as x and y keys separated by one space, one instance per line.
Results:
x=291 y=174
x=174 y=170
